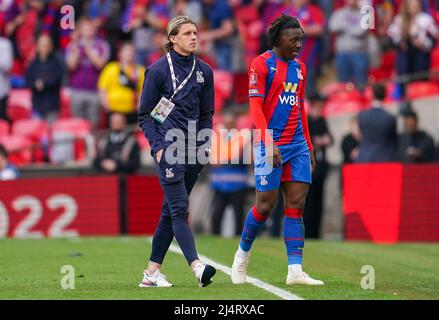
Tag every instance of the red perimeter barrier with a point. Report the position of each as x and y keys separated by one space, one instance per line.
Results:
x=391 y=202
x=70 y=207
x=59 y=207
x=144 y=204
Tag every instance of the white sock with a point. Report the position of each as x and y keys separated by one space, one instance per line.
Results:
x=295 y=268
x=197 y=265
x=241 y=253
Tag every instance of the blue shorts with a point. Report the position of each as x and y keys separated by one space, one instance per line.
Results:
x=296 y=167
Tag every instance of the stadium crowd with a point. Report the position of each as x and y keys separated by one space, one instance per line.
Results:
x=59 y=84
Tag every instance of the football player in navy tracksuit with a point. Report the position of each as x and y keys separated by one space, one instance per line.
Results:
x=178 y=96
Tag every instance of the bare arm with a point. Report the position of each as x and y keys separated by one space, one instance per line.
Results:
x=72 y=58
x=96 y=59
x=224 y=31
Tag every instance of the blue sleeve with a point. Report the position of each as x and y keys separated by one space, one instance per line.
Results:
x=148 y=101
x=207 y=104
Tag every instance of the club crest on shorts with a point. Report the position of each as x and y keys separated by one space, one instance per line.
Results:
x=264 y=181
x=200 y=77
x=169 y=173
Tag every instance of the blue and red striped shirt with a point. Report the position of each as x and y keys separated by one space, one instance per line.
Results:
x=281 y=84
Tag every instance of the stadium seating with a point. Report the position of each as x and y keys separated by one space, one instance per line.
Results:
x=342 y=97
x=335 y=107
x=434 y=66
x=19 y=148
x=34 y=129
x=19 y=104
x=422 y=89
x=240 y=85
x=37 y=131
x=142 y=141
x=250 y=27
x=65 y=102
x=386 y=69
x=223 y=88
x=79 y=127
x=4 y=128
x=71 y=135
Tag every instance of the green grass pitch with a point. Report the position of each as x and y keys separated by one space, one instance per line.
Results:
x=111 y=268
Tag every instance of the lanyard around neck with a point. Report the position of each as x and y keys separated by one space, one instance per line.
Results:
x=174 y=82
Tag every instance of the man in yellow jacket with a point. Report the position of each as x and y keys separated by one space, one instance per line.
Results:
x=120 y=84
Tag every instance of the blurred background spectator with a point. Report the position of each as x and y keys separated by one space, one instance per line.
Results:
x=312 y=21
x=143 y=19
x=190 y=8
x=378 y=131
x=413 y=32
x=229 y=176
x=86 y=55
x=44 y=77
x=6 y=59
x=118 y=151
x=321 y=139
x=217 y=29
x=351 y=141
x=7 y=170
x=350 y=44
x=120 y=84
x=414 y=145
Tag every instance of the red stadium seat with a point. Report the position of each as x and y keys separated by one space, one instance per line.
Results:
x=4 y=128
x=19 y=104
x=223 y=88
x=142 y=141
x=79 y=127
x=386 y=68
x=343 y=97
x=434 y=66
x=240 y=85
x=223 y=83
x=333 y=87
x=19 y=149
x=334 y=107
x=73 y=128
x=35 y=130
x=65 y=103
x=250 y=28
x=422 y=89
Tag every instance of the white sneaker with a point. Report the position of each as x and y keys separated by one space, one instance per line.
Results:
x=204 y=273
x=239 y=269
x=157 y=279
x=300 y=277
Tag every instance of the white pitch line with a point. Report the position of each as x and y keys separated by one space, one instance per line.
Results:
x=286 y=295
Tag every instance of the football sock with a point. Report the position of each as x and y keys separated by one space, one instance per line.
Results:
x=253 y=224
x=294 y=233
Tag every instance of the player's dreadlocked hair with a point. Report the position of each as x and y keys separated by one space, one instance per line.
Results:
x=281 y=23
